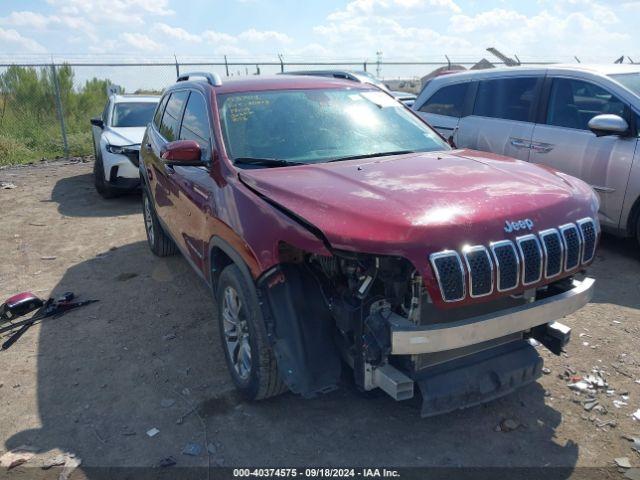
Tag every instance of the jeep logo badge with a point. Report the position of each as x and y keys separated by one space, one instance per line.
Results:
x=518 y=225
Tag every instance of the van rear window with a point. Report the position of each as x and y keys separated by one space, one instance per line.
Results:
x=507 y=98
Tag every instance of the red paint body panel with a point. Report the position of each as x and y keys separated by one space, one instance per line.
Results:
x=417 y=204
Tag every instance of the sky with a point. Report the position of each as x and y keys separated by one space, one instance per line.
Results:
x=252 y=30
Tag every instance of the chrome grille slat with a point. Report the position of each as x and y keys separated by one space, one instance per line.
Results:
x=450 y=275
x=553 y=252
x=531 y=257
x=572 y=246
x=588 y=235
x=507 y=264
x=480 y=270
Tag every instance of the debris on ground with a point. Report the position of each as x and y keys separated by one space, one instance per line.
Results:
x=48 y=257
x=167 y=462
x=7 y=185
x=153 y=432
x=507 y=425
x=169 y=336
x=167 y=402
x=192 y=449
x=622 y=462
x=211 y=448
x=636 y=415
x=70 y=465
x=17 y=456
x=589 y=404
x=56 y=461
x=546 y=370
x=619 y=403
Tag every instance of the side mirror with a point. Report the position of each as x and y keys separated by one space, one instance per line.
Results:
x=184 y=153
x=97 y=122
x=608 y=124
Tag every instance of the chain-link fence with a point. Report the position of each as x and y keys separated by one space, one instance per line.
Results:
x=45 y=108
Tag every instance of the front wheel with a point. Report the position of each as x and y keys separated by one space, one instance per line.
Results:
x=249 y=358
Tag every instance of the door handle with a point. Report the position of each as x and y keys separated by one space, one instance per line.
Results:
x=541 y=147
x=519 y=143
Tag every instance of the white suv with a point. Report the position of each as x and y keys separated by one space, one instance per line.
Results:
x=116 y=140
x=582 y=120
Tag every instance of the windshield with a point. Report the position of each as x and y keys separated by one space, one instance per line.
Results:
x=629 y=80
x=132 y=114
x=312 y=126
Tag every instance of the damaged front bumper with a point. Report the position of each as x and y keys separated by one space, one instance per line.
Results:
x=410 y=339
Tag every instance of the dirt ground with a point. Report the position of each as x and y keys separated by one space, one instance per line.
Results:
x=147 y=355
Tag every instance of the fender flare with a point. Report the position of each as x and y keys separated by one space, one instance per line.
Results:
x=236 y=258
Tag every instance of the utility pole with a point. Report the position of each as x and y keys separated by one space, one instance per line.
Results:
x=378 y=61
x=63 y=129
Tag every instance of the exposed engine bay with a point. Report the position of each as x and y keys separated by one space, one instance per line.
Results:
x=325 y=312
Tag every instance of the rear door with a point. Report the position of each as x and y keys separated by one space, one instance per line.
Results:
x=502 y=118
x=563 y=140
x=444 y=108
x=163 y=188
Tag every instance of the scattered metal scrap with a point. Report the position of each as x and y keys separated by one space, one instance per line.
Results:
x=26 y=302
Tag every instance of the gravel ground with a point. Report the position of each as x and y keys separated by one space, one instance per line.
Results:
x=147 y=355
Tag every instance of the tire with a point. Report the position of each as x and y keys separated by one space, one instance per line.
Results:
x=159 y=242
x=103 y=188
x=256 y=375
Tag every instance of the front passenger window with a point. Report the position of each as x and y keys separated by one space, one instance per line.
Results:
x=572 y=103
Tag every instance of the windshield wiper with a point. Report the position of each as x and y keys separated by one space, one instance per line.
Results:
x=264 y=162
x=371 y=155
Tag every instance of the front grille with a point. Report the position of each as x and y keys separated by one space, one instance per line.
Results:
x=507 y=264
x=571 y=240
x=531 y=256
x=549 y=253
x=450 y=275
x=552 y=246
x=588 y=232
x=480 y=268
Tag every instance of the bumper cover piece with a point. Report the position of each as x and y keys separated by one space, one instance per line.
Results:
x=409 y=339
x=479 y=379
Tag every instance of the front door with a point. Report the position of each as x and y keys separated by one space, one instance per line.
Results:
x=565 y=142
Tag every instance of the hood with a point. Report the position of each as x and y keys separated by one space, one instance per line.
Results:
x=412 y=205
x=121 y=136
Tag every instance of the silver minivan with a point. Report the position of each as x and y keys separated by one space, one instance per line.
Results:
x=582 y=120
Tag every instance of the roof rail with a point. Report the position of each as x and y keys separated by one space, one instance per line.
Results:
x=213 y=79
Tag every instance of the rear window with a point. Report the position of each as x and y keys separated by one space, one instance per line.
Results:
x=507 y=98
x=447 y=101
x=172 y=114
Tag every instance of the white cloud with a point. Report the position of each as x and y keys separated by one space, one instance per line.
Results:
x=112 y=11
x=140 y=41
x=214 y=37
x=28 y=19
x=253 y=35
x=177 y=33
x=27 y=44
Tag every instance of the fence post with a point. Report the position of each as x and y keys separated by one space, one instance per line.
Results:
x=63 y=129
x=281 y=63
x=364 y=65
x=226 y=65
x=177 y=66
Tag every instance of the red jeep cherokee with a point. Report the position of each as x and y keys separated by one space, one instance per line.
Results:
x=338 y=230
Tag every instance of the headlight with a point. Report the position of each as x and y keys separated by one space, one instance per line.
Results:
x=115 y=149
x=122 y=150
